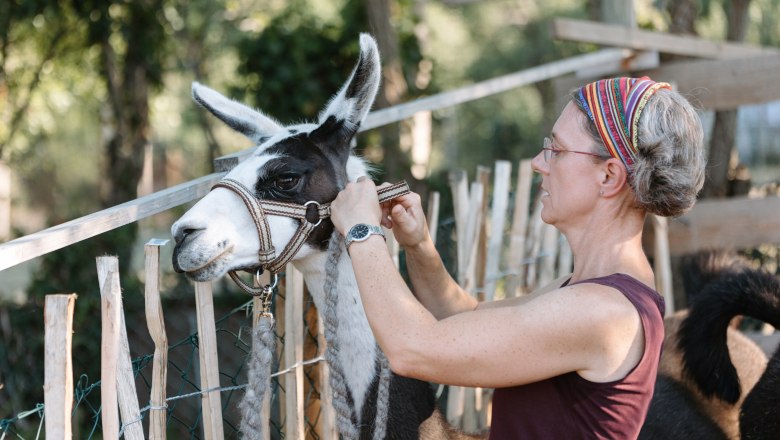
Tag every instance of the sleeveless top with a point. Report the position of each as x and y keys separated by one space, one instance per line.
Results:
x=571 y=407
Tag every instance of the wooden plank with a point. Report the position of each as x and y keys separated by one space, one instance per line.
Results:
x=474 y=222
x=211 y=406
x=708 y=84
x=58 y=365
x=126 y=395
x=519 y=228
x=57 y=237
x=433 y=214
x=464 y=94
x=125 y=384
x=327 y=411
x=738 y=223
x=662 y=264
x=622 y=36
x=155 y=322
x=480 y=245
x=110 y=300
x=501 y=184
x=293 y=353
x=723 y=84
x=460 y=200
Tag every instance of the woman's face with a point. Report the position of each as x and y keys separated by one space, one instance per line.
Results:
x=570 y=180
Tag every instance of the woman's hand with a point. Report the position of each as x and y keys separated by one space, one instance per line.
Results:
x=406 y=218
x=357 y=203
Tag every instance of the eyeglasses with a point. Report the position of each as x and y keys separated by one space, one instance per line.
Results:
x=549 y=151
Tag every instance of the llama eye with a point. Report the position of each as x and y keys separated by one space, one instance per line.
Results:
x=286 y=181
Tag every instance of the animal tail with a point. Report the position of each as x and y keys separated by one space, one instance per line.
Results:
x=759 y=417
x=737 y=290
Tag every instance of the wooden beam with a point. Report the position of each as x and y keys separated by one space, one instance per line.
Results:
x=57 y=237
x=708 y=84
x=621 y=36
x=737 y=223
x=723 y=84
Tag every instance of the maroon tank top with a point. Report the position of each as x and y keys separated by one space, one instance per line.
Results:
x=571 y=407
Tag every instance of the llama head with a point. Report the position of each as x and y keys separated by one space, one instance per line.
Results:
x=296 y=164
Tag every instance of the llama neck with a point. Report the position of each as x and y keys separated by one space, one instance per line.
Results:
x=357 y=346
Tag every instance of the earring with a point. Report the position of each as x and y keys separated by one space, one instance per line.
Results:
x=601 y=192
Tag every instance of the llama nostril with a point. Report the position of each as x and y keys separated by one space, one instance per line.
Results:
x=183 y=233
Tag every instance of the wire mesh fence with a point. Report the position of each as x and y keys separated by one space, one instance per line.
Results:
x=184 y=403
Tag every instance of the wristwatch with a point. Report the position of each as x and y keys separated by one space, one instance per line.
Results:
x=361 y=232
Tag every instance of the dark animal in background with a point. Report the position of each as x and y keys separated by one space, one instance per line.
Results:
x=708 y=369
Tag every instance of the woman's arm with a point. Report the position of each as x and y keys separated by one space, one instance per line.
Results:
x=585 y=328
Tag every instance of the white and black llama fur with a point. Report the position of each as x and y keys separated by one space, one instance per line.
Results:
x=713 y=382
x=300 y=163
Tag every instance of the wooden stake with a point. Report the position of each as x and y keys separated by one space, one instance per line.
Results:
x=125 y=380
x=433 y=214
x=156 y=324
x=58 y=365
x=497 y=221
x=209 y=365
x=110 y=300
x=293 y=352
x=519 y=228
x=327 y=412
x=662 y=262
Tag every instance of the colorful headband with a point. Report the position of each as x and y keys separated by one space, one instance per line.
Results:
x=614 y=106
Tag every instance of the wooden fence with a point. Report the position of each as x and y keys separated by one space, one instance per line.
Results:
x=535 y=254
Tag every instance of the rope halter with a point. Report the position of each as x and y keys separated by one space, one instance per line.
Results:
x=310 y=215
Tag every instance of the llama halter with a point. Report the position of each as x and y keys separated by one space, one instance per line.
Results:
x=614 y=105
x=310 y=215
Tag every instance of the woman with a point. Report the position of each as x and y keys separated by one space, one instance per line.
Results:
x=572 y=360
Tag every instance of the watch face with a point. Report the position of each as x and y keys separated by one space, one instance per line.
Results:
x=359 y=231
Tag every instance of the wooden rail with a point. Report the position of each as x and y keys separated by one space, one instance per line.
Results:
x=54 y=238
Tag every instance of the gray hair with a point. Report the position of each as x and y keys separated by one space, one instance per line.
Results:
x=669 y=169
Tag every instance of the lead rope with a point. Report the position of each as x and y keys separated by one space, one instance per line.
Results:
x=345 y=417
x=259 y=365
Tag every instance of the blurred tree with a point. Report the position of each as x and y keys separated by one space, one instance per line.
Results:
x=724 y=129
x=23 y=59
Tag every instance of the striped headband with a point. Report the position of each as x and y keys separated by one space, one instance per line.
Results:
x=614 y=105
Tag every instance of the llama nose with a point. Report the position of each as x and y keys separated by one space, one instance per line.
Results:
x=183 y=229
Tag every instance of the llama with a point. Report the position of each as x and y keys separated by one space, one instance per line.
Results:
x=713 y=382
x=298 y=164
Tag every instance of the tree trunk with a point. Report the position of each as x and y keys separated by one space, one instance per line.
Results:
x=724 y=128
x=393 y=90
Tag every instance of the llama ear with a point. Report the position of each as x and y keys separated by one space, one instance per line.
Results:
x=352 y=103
x=247 y=121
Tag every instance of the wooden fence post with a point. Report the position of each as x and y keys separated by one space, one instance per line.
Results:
x=108 y=277
x=501 y=186
x=293 y=352
x=209 y=365
x=156 y=324
x=519 y=231
x=433 y=215
x=58 y=365
x=662 y=261
x=110 y=297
